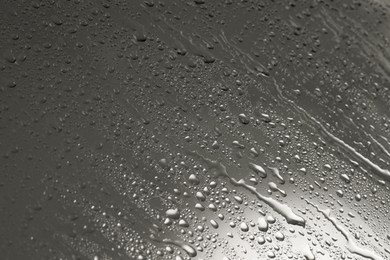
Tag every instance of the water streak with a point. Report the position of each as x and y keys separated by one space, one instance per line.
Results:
x=351 y=246
x=282 y=209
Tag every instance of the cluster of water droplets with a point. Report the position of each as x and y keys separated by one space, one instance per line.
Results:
x=195 y=130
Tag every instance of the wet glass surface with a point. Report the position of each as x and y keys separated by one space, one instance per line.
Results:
x=194 y=129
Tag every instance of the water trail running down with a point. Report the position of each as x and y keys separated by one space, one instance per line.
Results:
x=382 y=173
x=280 y=208
x=351 y=245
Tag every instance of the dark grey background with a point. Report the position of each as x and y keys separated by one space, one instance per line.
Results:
x=194 y=129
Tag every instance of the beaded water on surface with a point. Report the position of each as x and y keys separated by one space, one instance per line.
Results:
x=195 y=129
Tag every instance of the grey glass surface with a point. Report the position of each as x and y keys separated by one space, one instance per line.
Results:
x=194 y=129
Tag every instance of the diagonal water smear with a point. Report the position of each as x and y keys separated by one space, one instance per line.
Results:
x=282 y=209
x=383 y=173
x=351 y=246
